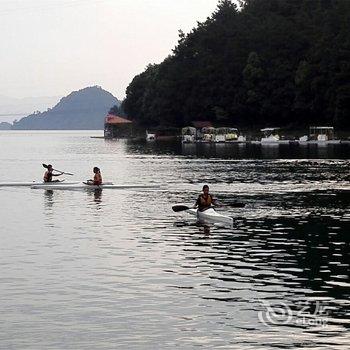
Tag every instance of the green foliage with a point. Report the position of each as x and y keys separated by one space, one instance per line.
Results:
x=117 y=110
x=264 y=63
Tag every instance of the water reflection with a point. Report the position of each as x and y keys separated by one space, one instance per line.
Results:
x=49 y=208
x=198 y=227
x=114 y=268
x=95 y=198
x=270 y=151
x=299 y=259
x=206 y=229
x=98 y=195
x=241 y=150
x=49 y=199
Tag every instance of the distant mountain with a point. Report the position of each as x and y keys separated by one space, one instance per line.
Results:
x=5 y=126
x=80 y=110
x=27 y=105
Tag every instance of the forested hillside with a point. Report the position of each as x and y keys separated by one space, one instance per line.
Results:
x=266 y=63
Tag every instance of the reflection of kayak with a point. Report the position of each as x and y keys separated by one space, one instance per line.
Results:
x=210 y=215
x=83 y=186
x=29 y=184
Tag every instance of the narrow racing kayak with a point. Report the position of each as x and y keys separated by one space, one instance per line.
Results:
x=30 y=184
x=210 y=215
x=84 y=186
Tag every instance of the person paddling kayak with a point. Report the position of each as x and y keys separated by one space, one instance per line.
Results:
x=205 y=200
x=97 y=177
x=49 y=174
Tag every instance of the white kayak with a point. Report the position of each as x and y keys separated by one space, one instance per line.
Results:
x=30 y=184
x=84 y=186
x=210 y=215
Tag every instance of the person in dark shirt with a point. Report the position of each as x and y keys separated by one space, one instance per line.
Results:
x=49 y=174
x=205 y=200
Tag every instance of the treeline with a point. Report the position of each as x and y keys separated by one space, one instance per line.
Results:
x=265 y=63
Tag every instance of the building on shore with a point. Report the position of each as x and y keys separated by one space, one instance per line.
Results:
x=203 y=131
x=228 y=134
x=322 y=133
x=150 y=135
x=273 y=136
x=201 y=127
x=162 y=134
x=319 y=135
x=117 y=127
x=189 y=134
x=270 y=135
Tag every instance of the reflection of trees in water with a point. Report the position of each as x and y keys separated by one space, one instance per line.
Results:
x=270 y=151
x=214 y=150
x=296 y=256
x=239 y=150
x=155 y=147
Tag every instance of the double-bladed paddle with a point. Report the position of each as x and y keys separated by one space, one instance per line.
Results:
x=62 y=172
x=181 y=207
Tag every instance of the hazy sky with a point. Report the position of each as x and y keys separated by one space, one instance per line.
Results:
x=52 y=47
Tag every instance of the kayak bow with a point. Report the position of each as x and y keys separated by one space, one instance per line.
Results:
x=210 y=215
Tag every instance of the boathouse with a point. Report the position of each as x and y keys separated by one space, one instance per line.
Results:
x=321 y=133
x=117 y=127
x=201 y=127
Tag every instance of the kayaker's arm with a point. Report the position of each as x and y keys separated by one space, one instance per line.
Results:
x=215 y=202
x=57 y=174
x=92 y=183
x=196 y=205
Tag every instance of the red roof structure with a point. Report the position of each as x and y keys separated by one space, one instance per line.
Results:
x=114 y=119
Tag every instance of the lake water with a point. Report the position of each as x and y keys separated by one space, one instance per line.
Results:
x=119 y=269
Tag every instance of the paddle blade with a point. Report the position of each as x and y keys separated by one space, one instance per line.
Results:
x=237 y=205
x=177 y=208
x=45 y=166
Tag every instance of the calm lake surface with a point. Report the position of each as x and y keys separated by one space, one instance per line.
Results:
x=119 y=269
